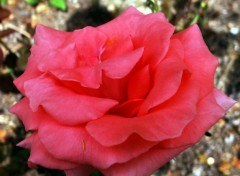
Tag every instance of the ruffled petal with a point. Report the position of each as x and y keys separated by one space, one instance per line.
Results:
x=145 y=164
x=57 y=100
x=84 y=149
x=166 y=121
x=209 y=112
x=40 y=156
x=154 y=33
x=89 y=43
x=198 y=59
x=29 y=118
x=167 y=78
x=87 y=76
x=222 y=100
x=45 y=36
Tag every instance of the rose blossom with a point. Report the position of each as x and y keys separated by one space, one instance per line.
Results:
x=123 y=98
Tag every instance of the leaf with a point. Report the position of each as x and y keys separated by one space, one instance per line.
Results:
x=3 y=2
x=58 y=4
x=32 y=2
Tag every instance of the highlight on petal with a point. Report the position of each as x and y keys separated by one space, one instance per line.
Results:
x=222 y=100
x=44 y=37
x=56 y=100
x=120 y=66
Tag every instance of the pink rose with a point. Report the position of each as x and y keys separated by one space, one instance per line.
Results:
x=123 y=98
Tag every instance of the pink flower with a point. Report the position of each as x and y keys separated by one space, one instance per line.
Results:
x=123 y=98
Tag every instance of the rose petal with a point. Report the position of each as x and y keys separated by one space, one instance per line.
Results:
x=165 y=122
x=209 y=112
x=199 y=60
x=116 y=46
x=222 y=100
x=89 y=42
x=27 y=142
x=30 y=72
x=145 y=164
x=166 y=80
x=57 y=100
x=139 y=84
x=40 y=156
x=123 y=22
x=29 y=118
x=87 y=76
x=154 y=33
x=151 y=31
x=115 y=88
x=120 y=66
x=84 y=149
x=127 y=109
x=44 y=37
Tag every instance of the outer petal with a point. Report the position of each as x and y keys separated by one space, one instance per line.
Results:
x=58 y=100
x=84 y=149
x=29 y=118
x=30 y=72
x=123 y=22
x=222 y=100
x=209 y=112
x=44 y=37
x=199 y=60
x=154 y=33
x=145 y=164
x=40 y=156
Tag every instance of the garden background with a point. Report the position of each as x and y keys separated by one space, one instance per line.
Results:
x=217 y=154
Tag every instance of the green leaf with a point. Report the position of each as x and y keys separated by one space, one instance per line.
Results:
x=58 y=4
x=3 y=2
x=32 y=2
x=153 y=5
